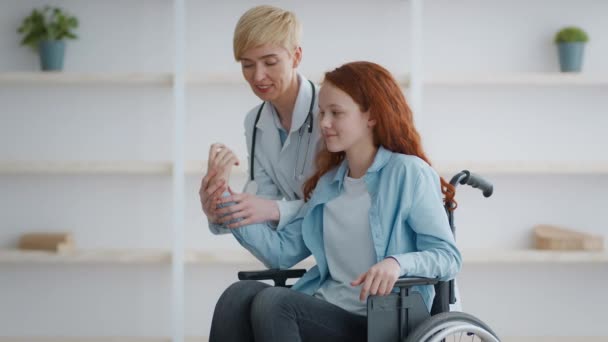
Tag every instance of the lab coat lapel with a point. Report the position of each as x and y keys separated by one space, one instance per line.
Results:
x=300 y=111
x=270 y=135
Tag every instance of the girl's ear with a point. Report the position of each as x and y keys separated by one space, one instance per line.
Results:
x=370 y=122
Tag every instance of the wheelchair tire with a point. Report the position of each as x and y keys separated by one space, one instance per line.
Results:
x=436 y=324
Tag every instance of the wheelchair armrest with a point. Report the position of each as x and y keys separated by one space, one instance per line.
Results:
x=278 y=276
x=413 y=281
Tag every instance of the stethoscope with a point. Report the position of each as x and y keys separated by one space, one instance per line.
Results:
x=308 y=122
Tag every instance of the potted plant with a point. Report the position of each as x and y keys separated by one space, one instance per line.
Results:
x=570 y=44
x=45 y=31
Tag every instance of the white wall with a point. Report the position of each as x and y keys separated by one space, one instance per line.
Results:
x=90 y=122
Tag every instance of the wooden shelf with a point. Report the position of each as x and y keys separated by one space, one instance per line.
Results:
x=548 y=79
x=199 y=168
x=85 y=167
x=141 y=78
x=478 y=257
x=132 y=167
x=525 y=167
x=84 y=256
x=517 y=79
x=484 y=168
x=531 y=256
x=77 y=78
x=243 y=258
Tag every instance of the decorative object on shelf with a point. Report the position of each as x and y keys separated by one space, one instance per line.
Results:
x=45 y=31
x=53 y=242
x=570 y=45
x=558 y=238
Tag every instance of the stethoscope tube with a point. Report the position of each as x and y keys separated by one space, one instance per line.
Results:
x=309 y=120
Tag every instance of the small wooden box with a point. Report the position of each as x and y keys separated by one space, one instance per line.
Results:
x=54 y=242
x=558 y=238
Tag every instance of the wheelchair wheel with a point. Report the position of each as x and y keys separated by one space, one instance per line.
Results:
x=452 y=326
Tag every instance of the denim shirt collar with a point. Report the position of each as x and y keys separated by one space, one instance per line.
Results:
x=382 y=157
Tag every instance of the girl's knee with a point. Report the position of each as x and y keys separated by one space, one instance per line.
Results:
x=270 y=302
x=241 y=291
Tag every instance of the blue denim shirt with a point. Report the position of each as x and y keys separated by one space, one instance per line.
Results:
x=407 y=220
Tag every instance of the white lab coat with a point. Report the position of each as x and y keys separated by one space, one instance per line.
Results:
x=274 y=166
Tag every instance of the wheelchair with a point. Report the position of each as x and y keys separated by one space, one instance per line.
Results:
x=403 y=316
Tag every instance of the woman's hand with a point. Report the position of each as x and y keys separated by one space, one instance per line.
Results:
x=213 y=185
x=249 y=208
x=379 y=279
x=211 y=189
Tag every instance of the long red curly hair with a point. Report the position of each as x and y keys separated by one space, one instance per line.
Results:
x=375 y=90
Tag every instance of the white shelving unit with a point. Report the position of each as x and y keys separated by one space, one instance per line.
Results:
x=177 y=80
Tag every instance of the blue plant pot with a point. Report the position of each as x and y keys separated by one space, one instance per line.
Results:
x=571 y=56
x=51 y=54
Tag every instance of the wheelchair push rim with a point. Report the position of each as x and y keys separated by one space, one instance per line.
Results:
x=452 y=326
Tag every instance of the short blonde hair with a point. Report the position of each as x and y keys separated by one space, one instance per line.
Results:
x=266 y=25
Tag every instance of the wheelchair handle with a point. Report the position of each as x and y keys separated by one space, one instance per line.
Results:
x=474 y=180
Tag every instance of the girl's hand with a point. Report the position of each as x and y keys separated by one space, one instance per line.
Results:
x=379 y=279
x=222 y=159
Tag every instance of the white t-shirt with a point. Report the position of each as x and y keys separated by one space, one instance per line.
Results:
x=348 y=245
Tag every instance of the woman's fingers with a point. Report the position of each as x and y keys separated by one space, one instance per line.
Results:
x=238 y=198
x=230 y=209
x=213 y=188
x=211 y=195
x=233 y=216
x=238 y=224
x=205 y=182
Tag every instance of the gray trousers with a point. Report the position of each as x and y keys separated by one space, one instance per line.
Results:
x=255 y=311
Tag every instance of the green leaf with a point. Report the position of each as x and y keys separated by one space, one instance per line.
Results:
x=50 y=23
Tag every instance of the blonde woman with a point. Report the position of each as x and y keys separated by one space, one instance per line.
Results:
x=281 y=132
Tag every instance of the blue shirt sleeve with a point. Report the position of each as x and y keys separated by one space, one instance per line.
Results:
x=437 y=255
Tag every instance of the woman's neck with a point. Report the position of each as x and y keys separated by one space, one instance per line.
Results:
x=360 y=158
x=286 y=102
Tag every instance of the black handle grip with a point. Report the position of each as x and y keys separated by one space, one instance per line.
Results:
x=413 y=281
x=278 y=276
x=478 y=182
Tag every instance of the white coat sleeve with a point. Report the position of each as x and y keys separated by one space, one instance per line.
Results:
x=266 y=188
